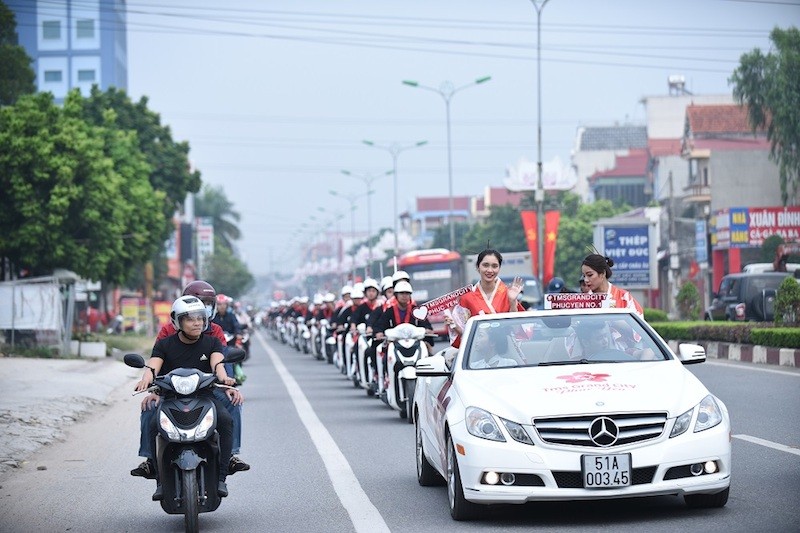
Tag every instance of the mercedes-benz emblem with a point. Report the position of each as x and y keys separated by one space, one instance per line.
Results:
x=603 y=431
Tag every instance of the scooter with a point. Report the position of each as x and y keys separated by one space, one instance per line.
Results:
x=187 y=445
x=405 y=347
x=327 y=340
x=366 y=378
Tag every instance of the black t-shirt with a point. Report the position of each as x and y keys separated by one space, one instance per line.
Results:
x=178 y=354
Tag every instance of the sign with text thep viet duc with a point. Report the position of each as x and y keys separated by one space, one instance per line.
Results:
x=632 y=247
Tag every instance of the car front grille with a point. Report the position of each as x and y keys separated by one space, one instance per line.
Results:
x=576 y=430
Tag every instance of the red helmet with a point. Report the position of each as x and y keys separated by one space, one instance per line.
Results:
x=222 y=299
x=206 y=293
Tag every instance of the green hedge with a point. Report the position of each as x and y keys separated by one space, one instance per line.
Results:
x=764 y=334
x=655 y=315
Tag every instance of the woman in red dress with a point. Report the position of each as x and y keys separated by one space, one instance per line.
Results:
x=490 y=295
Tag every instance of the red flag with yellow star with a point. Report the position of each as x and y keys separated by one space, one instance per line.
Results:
x=530 y=227
x=551 y=219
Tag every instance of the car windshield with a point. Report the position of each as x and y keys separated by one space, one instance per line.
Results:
x=559 y=340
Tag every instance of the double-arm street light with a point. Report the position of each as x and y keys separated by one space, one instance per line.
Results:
x=368 y=180
x=352 y=199
x=446 y=90
x=394 y=150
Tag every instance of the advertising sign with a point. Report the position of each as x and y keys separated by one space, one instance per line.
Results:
x=748 y=227
x=629 y=247
x=700 y=248
x=205 y=243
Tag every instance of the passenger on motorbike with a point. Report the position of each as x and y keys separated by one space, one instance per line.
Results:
x=206 y=294
x=190 y=348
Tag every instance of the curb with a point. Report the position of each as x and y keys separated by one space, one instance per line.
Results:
x=747 y=353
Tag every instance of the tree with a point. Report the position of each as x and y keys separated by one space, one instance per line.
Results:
x=17 y=76
x=770 y=247
x=227 y=273
x=75 y=195
x=787 y=302
x=213 y=203
x=441 y=236
x=688 y=301
x=770 y=87
x=502 y=230
x=170 y=170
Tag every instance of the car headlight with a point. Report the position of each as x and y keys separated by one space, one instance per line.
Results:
x=185 y=384
x=482 y=424
x=708 y=415
x=517 y=432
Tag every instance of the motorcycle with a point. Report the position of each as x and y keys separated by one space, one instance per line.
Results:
x=187 y=445
x=303 y=336
x=327 y=340
x=405 y=347
x=317 y=344
x=234 y=341
x=366 y=377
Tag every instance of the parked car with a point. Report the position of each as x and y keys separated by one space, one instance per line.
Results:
x=757 y=268
x=579 y=404
x=746 y=296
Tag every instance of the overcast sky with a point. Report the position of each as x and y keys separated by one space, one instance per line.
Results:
x=275 y=97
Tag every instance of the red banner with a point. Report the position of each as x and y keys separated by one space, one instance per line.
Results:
x=529 y=226
x=551 y=219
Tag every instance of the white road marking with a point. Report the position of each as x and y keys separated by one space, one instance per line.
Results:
x=768 y=444
x=364 y=515
x=754 y=367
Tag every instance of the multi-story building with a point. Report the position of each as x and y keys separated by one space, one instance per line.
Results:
x=74 y=43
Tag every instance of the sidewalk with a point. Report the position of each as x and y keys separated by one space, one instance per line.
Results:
x=43 y=396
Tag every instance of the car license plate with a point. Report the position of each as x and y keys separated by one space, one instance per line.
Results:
x=606 y=471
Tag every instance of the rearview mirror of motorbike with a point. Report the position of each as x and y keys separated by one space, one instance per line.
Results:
x=134 y=359
x=234 y=355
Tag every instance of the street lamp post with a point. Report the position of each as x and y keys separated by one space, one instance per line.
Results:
x=446 y=90
x=394 y=150
x=351 y=199
x=539 y=6
x=368 y=179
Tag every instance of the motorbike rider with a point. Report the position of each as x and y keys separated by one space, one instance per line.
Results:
x=402 y=313
x=206 y=294
x=363 y=314
x=190 y=348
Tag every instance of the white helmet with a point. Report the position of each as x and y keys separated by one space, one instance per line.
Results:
x=386 y=283
x=357 y=293
x=400 y=275
x=347 y=289
x=329 y=298
x=403 y=286
x=358 y=287
x=187 y=305
x=317 y=299
x=371 y=283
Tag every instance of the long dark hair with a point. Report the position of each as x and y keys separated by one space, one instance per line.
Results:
x=598 y=263
x=489 y=251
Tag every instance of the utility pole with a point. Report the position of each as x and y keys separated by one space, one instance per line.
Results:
x=674 y=259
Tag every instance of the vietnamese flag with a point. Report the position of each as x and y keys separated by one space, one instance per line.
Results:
x=551 y=219
x=529 y=226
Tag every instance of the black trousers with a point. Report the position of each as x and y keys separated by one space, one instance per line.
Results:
x=224 y=429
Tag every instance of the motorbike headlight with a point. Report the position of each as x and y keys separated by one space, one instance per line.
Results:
x=517 y=432
x=708 y=414
x=682 y=423
x=482 y=424
x=167 y=425
x=185 y=384
x=205 y=425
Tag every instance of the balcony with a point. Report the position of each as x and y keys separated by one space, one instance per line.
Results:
x=697 y=194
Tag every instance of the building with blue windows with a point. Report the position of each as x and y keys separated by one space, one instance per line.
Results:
x=74 y=43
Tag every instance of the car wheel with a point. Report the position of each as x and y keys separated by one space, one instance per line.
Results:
x=460 y=508
x=427 y=476
x=707 y=501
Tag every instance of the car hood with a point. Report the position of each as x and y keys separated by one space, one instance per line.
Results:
x=520 y=394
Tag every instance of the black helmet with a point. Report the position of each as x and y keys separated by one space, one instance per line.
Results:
x=556 y=285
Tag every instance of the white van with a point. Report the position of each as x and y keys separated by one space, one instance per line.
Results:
x=757 y=268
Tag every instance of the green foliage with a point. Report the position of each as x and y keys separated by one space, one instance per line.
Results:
x=787 y=302
x=213 y=202
x=227 y=273
x=76 y=195
x=770 y=247
x=655 y=315
x=17 y=76
x=502 y=229
x=170 y=170
x=441 y=237
x=777 y=337
x=688 y=301
x=769 y=84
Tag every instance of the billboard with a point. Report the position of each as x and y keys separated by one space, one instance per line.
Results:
x=748 y=227
x=632 y=246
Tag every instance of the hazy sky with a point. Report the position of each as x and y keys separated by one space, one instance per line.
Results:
x=275 y=97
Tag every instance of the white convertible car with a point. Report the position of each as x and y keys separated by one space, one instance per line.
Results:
x=568 y=405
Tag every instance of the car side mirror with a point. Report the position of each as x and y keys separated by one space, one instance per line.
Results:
x=433 y=366
x=690 y=354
